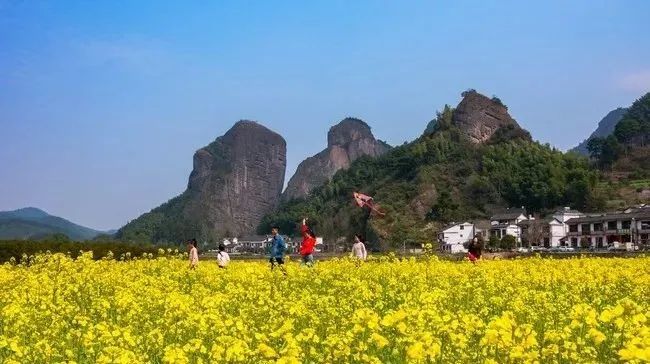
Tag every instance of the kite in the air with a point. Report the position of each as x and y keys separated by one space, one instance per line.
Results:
x=366 y=201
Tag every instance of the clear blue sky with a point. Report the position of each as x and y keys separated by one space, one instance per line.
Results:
x=103 y=103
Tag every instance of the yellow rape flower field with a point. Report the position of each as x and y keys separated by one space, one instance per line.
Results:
x=590 y=310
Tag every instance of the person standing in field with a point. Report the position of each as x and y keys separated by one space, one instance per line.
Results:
x=475 y=249
x=278 y=246
x=194 y=254
x=222 y=257
x=359 y=248
x=308 y=244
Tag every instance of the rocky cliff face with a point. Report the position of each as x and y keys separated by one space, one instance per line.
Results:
x=480 y=117
x=346 y=141
x=239 y=177
x=236 y=180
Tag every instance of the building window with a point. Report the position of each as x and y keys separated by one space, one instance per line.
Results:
x=585 y=228
x=462 y=227
x=611 y=225
x=574 y=242
x=598 y=226
x=645 y=225
x=573 y=228
x=625 y=239
x=626 y=224
x=599 y=241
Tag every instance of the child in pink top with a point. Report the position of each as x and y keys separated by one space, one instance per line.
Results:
x=194 y=254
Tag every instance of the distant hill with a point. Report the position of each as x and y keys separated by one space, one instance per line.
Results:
x=605 y=128
x=33 y=223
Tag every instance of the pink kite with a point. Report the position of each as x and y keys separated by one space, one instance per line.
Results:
x=366 y=201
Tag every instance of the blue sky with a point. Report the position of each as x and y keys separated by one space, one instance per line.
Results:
x=103 y=103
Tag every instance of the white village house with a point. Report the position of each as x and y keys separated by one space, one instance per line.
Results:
x=566 y=227
x=507 y=223
x=453 y=237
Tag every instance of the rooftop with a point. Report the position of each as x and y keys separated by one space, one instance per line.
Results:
x=642 y=214
x=508 y=214
x=566 y=210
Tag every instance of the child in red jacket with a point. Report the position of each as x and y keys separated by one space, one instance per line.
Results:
x=308 y=244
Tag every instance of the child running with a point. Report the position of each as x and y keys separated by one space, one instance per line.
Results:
x=194 y=254
x=222 y=257
x=359 y=249
x=278 y=246
x=308 y=244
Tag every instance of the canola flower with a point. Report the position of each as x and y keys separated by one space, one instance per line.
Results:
x=584 y=310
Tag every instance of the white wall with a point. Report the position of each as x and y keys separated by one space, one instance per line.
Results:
x=456 y=235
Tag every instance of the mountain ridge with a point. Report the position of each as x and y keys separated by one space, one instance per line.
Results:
x=33 y=223
x=605 y=128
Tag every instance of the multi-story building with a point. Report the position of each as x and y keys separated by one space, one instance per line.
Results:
x=507 y=223
x=548 y=232
x=603 y=230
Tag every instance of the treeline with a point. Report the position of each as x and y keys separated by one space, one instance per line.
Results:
x=442 y=177
x=17 y=249
x=633 y=130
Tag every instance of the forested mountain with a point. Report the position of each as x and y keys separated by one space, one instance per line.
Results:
x=33 y=223
x=472 y=160
x=605 y=128
x=626 y=149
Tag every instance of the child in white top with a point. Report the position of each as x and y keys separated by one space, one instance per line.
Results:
x=194 y=254
x=359 y=249
x=222 y=257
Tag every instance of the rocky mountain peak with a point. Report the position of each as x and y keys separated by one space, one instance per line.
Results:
x=347 y=131
x=346 y=141
x=480 y=116
x=235 y=181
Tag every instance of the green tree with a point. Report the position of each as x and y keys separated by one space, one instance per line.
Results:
x=494 y=242
x=611 y=151
x=627 y=129
x=595 y=147
x=57 y=238
x=508 y=242
x=445 y=209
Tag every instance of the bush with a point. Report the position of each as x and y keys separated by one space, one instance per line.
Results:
x=494 y=242
x=508 y=242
